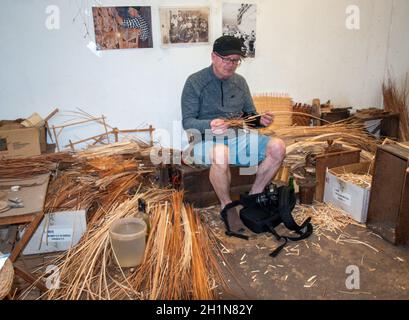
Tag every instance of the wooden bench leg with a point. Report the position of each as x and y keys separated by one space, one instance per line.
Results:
x=31 y=228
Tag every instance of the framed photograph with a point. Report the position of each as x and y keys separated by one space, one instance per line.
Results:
x=122 y=27
x=184 y=25
x=240 y=20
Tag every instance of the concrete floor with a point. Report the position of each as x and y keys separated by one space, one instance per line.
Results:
x=256 y=275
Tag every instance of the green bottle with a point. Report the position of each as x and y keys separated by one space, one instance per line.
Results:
x=291 y=183
x=143 y=214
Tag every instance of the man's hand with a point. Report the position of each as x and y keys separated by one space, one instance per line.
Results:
x=218 y=126
x=267 y=118
x=118 y=18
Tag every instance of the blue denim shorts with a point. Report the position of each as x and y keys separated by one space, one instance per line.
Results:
x=245 y=149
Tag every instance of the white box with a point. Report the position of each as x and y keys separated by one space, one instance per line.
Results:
x=59 y=231
x=347 y=196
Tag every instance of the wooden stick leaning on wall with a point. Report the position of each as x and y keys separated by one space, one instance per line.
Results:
x=62 y=126
x=52 y=114
x=115 y=132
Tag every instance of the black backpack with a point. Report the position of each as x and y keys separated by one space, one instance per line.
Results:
x=265 y=211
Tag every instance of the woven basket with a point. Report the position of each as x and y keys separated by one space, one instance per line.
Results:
x=6 y=278
x=275 y=102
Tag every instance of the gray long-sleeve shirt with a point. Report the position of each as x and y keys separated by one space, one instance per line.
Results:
x=205 y=97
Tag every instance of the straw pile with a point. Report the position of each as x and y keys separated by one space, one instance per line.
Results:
x=361 y=180
x=351 y=134
x=328 y=219
x=108 y=181
x=136 y=148
x=179 y=262
x=27 y=167
x=100 y=179
x=324 y=217
x=395 y=100
x=239 y=122
x=304 y=141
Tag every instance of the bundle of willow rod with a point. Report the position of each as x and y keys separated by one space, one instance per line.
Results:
x=296 y=153
x=361 y=180
x=352 y=134
x=179 y=261
x=98 y=178
x=324 y=217
x=65 y=192
x=329 y=221
x=137 y=148
x=97 y=184
x=248 y=121
x=396 y=100
x=30 y=166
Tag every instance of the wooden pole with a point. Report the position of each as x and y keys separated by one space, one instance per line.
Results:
x=29 y=278
x=105 y=126
x=151 y=135
x=52 y=114
x=115 y=132
x=56 y=139
x=75 y=123
x=90 y=138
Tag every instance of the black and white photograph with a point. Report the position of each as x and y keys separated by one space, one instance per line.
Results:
x=239 y=20
x=184 y=25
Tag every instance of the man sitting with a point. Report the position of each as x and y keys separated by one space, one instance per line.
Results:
x=209 y=98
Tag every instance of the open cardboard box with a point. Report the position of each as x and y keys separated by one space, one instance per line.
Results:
x=351 y=198
x=17 y=141
x=58 y=231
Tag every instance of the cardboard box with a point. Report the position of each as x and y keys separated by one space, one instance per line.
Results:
x=17 y=143
x=351 y=198
x=36 y=121
x=22 y=142
x=59 y=231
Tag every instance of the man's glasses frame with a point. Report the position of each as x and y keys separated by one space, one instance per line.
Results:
x=236 y=62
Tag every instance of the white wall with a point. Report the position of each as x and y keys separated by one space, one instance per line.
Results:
x=303 y=48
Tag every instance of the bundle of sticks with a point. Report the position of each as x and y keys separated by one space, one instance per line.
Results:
x=179 y=261
x=304 y=141
x=242 y=122
x=108 y=181
x=396 y=101
x=362 y=180
x=99 y=180
x=21 y=168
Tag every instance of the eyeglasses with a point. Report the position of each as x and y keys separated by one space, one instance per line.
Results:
x=236 y=62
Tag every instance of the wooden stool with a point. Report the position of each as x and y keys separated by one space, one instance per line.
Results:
x=198 y=189
x=6 y=278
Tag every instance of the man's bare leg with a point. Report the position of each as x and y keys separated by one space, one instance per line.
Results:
x=266 y=171
x=220 y=176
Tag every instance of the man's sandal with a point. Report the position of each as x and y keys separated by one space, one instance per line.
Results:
x=232 y=221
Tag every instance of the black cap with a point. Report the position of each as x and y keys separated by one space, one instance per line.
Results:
x=227 y=45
